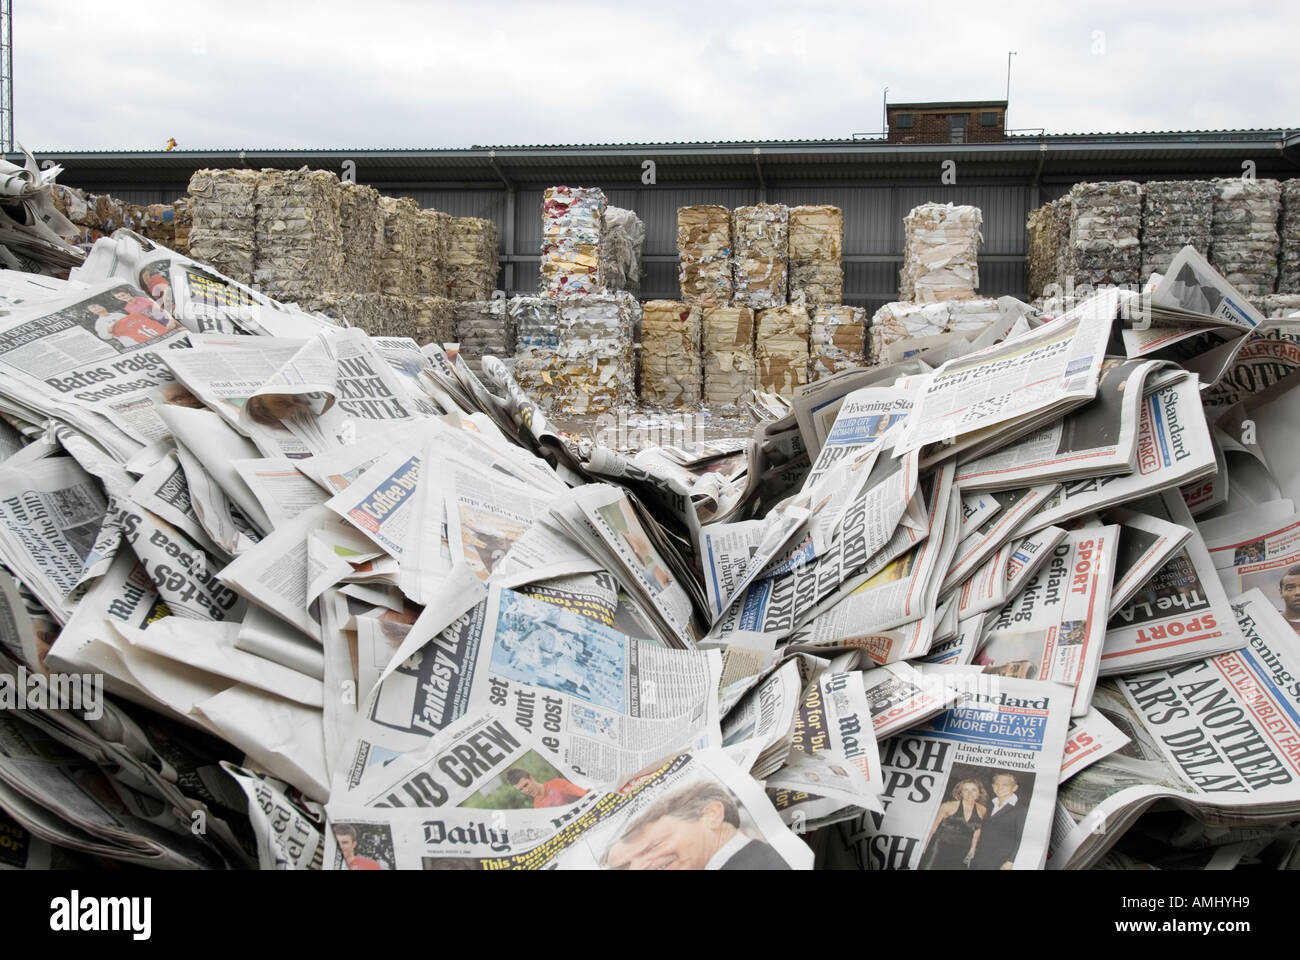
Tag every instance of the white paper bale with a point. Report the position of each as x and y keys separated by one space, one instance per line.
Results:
x=1105 y=226
x=941 y=243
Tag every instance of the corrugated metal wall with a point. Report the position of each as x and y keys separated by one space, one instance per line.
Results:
x=873 y=228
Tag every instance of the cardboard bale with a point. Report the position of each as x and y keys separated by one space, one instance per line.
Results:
x=836 y=340
x=1288 y=280
x=1244 y=241
x=781 y=349
x=671 y=364
x=704 y=252
x=472 y=258
x=1105 y=225
x=573 y=221
x=223 y=221
x=1280 y=305
x=816 y=246
x=727 y=349
x=483 y=328
x=395 y=258
x=1175 y=213
x=941 y=243
x=361 y=221
x=621 y=240
x=760 y=237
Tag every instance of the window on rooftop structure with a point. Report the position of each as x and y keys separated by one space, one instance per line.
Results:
x=988 y=119
x=957 y=127
x=903 y=119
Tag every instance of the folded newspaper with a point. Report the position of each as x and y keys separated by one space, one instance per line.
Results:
x=279 y=594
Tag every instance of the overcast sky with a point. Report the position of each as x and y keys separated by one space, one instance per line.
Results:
x=90 y=74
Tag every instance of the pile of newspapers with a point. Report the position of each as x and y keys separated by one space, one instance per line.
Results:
x=280 y=594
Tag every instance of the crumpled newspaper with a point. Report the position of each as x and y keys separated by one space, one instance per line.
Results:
x=671 y=365
x=941 y=243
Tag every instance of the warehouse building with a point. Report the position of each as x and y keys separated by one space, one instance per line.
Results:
x=876 y=180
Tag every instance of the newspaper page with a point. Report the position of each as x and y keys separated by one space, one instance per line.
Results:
x=1015 y=508
x=1179 y=613
x=863 y=418
x=1097 y=439
x=511 y=651
x=1089 y=739
x=1219 y=737
x=1174 y=449
x=1145 y=544
x=772 y=608
x=1263 y=556
x=1055 y=627
x=974 y=788
x=650 y=823
x=1055 y=366
x=900 y=695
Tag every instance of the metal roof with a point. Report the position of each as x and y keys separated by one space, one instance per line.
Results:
x=1155 y=154
x=947 y=105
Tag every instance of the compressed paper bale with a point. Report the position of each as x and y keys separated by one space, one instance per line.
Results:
x=704 y=252
x=727 y=352
x=622 y=237
x=836 y=337
x=573 y=221
x=183 y=220
x=432 y=241
x=908 y=321
x=1104 y=241
x=815 y=248
x=347 y=309
x=361 y=222
x=1280 y=304
x=223 y=221
x=941 y=243
x=395 y=258
x=472 y=259
x=1175 y=213
x=70 y=202
x=157 y=222
x=671 y=364
x=1046 y=242
x=298 y=234
x=1288 y=280
x=760 y=237
x=483 y=328
x=781 y=349
x=585 y=362
x=1244 y=241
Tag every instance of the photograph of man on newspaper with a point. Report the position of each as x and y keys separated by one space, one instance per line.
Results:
x=363 y=847
x=695 y=828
